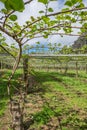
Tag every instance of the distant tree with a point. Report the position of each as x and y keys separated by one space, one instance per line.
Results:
x=66 y=50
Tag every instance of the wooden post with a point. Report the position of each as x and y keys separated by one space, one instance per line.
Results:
x=61 y=68
x=76 y=69
x=66 y=68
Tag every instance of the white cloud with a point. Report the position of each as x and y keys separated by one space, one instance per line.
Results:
x=30 y=10
x=33 y=9
x=65 y=40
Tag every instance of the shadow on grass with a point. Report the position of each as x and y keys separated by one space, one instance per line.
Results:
x=67 y=117
x=44 y=76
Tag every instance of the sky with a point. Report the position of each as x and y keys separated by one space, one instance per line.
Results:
x=33 y=9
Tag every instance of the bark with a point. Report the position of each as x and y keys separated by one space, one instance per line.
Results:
x=76 y=69
x=17 y=115
x=25 y=68
x=16 y=109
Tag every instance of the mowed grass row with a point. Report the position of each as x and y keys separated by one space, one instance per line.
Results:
x=66 y=99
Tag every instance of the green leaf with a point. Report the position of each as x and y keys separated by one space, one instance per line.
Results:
x=17 y=5
x=37 y=42
x=43 y=1
x=32 y=18
x=7 y=5
x=65 y=9
x=4 y=11
x=76 y=1
x=45 y=19
x=13 y=17
x=50 y=10
x=81 y=5
x=68 y=3
x=68 y=17
x=75 y=13
x=72 y=2
x=45 y=36
x=73 y=20
x=41 y=11
x=3 y=1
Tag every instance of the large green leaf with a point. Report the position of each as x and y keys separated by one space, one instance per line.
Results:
x=43 y=1
x=76 y=1
x=7 y=5
x=72 y=2
x=17 y=5
x=68 y=3
x=3 y=1
x=81 y=5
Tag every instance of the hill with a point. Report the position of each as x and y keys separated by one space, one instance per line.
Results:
x=81 y=41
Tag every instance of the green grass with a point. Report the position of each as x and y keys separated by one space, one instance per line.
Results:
x=64 y=96
x=4 y=75
x=3 y=92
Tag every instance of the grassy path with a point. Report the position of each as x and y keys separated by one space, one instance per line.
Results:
x=59 y=103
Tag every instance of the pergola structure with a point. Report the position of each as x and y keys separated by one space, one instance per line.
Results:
x=6 y=60
x=42 y=60
x=56 y=55
x=73 y=57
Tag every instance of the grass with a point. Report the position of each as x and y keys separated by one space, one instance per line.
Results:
x=3 y=92
x=4 y=75
x=66 y=96
x=60 y=103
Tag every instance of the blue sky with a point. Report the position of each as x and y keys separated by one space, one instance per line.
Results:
x=33 y=9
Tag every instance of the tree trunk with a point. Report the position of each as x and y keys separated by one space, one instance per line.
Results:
x=17 y=115
x=25 y=68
